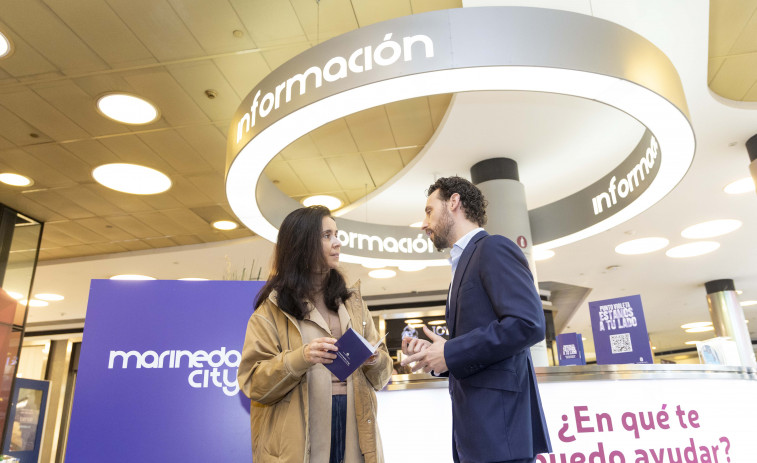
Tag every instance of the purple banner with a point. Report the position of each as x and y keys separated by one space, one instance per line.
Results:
x=570 y=348
x=157 y=373
x=620 y=332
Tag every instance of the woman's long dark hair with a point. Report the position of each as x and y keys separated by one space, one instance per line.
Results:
x=298 y=257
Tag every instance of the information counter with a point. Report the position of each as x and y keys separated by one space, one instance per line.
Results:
x=598 y=414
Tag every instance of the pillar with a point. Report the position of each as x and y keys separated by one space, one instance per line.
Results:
x=728 y=318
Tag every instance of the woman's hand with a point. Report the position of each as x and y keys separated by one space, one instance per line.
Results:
x=319 y=351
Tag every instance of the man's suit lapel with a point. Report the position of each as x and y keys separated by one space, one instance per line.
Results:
x=459 y=272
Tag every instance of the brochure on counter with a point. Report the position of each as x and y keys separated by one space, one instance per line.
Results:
x=353 y=351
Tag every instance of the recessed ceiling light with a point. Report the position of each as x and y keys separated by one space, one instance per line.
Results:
x=131 y=277
x=382 y=273
x=411 y=267
x=33 y=303
x=641 y=246
x=436 y=322
x=543 y=254
x=700 y=329
x=748 y=303
x=49 y=297
x=131 y=178
x=654 y=348
x=744 y=185
x=15 y=179
x=711 y=229
x=323 y=200
x=129 y=109
x=691 y=343
x=5 y=46
x=15 y=295
x=738 y=291
x=696 y=325
x=413 y=320
x=193 y=279
x=416 y=224
x=225 y=225
x=697 y=248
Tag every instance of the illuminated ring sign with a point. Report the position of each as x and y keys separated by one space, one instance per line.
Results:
x=459 y=50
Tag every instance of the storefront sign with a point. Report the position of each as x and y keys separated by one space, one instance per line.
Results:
x=157 y=373
x=620 y=332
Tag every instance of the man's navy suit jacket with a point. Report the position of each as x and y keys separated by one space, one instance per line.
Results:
x=494 y=315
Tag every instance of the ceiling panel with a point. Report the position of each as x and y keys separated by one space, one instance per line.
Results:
x=211 y=214
x=302 y=148
x=282 y=174
x=134 y=226
x=50 y=36
x=730 y=81
x=383 y=165
x=134 y=245
x=315 y=175
x=103 y=228
x=408 y=154
x=59 y=203
x=184 y=240
x=410 y=121
x=36 y=111
x=62 y=161
x=17 y=130
x=437 y=105
x=108 y=36
x=243 y=71
x=131 y=149
x=196 y=78
x=162 y=223
x=713 y=67
x=160 y=201
x=92 y=152
x=90 y=200
x=747 y=40
x=421 y=6
x=179 y=154
x=5 y=144
x=43 y=175
x=357 y=193
x=25 y=60
x=79 y=232
x=210 y=186
x=373 y=11
x=176 y=106
x=350 y=171
x=129 y=203
x=55 y=237
x=269 y=23
x=20 y=202
x=189 y=220
x=158 y=27
x=727 y=21
x=212 y=24
x=370 y=129
x=323 y=20
x=209 y=142
x=334 y=139
x=275 y=57
x=188 y=194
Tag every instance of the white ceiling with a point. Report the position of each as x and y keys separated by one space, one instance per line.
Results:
x=551 y=137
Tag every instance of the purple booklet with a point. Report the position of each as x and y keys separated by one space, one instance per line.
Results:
x=353 y=351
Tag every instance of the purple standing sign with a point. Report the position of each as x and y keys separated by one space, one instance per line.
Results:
x=570 y=348
x=157 y=373
x=620 y=332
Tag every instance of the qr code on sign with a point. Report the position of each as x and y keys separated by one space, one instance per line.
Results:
x=620 y=343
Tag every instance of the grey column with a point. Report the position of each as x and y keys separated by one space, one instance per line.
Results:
x=751 y=148
x=507 y=215
x=728 y=318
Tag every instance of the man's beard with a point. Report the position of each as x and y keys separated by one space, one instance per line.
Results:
x=443 y=231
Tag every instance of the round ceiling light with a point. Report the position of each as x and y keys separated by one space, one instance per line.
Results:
x=15 y=295
x=15 y=179
x=543 y=254
x=131 y=277
x=225 y=225
x=5 y=46
x=692 y=249
x=132 y=179
x=34 y=303
x=748 y=303
x=695 y=325
x=323 y=200
x=50 y=297
x=382 y=273
x=128 y=109
x=436 y=322
x=700 y=329
x=711 y=229
x=744 y=185
x=641 y=246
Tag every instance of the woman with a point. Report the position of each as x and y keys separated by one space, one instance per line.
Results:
x=301 y=412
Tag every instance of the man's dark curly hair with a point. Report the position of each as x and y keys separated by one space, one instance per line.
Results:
x=473 y=201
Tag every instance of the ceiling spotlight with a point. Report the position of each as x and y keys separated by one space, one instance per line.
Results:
x=129 y=109
x=700 y=329
x=744 y=185
x=748 y=303
x=382 y=273
x=131 y=277
x=711 y=228
x=692 y=343
x=696 y=325
x=641 y=246
x=413 y=320
x=543 y=254
x=132 y=179
x=697 y=248
x=15 y=179
x=225 y=225
x=323 y=200
x=5 y=46
x=49 y=297
x=436 y=322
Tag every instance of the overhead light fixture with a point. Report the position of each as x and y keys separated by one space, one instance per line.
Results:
x=128 y=109
x=641 y=246
x=436 y=322
x=416 y=224
x=5 y=46
x=711 y=229
x=748 y=303
x=132 y=179
x=193 y=279
x=131 y=277
x=50 y=297
x=696 y=325
x=412 y=321
x=411 y=267
x=741 y=186
x=697 y=248
x=323 y=200
x=15 y=179
x=543 y=254
x=692 y=343
x=700 y=329
x=225 y=225
x=15 y=295
x=382 y=273
x=738 y=291
x=34 y=303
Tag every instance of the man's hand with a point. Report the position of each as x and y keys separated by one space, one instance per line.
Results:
x=430 y=358
x=412 y=346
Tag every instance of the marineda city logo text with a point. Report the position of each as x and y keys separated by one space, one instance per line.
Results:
x=386 y=53
x=626 y=185
x=217 y=368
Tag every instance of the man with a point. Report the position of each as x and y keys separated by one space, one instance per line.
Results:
x=494 y=315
